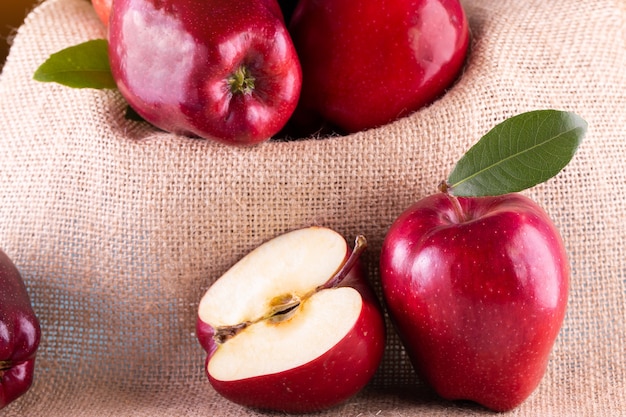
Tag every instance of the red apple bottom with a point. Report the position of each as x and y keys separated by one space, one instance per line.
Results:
x=320 y=384
x=477 y=289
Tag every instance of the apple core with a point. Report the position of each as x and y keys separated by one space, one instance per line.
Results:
x=320 y=324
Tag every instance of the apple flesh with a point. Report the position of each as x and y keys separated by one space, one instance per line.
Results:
x=367 y=63
x=477 y=289
x=293 y=326
x=212 y=69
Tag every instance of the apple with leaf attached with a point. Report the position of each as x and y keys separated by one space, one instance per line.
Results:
x=294 y=326
x=231 y=71
x=226 y=71
x=475 y=277
x=212 y=69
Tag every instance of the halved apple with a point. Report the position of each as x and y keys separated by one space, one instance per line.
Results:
x=294 y=326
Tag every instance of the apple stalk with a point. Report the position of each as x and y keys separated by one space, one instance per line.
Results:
x=476 y=277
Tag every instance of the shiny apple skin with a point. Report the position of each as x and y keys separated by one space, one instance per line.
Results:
x=322 y=383
x=20 y=334
x=478 y=302
x=366 y=63
x=172 y=59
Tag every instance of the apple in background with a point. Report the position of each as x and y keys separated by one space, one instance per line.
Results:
x=477 y=289
x=294 y=326
x=367 y=63
x=103 y=10
x=19 y=334
x=212 y=69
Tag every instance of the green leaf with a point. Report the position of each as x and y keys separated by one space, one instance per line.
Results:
x=517 y=154
x=85 y=65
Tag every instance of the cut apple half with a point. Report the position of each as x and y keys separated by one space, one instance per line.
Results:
x=286 y=317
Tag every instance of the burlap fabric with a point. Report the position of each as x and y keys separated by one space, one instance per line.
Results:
x=118 y=229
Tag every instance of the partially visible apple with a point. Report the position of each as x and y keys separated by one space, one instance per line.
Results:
x=103 y=10
x=20 y=334
x=294 y=326
x=477 y=289
x=220 y=70
x=366 y=63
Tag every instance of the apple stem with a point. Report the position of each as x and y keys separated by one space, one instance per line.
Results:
x=360 y=244
x=445 y=188
x=241 y=81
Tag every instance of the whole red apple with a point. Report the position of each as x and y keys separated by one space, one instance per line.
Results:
x=19 y=334
x=477 y=289
x=213 y=69
x=366 y=63
x=293 y=326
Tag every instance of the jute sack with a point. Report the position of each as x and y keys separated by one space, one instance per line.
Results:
x=118 y=228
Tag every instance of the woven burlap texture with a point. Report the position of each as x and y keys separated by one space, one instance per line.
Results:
x=118 y=229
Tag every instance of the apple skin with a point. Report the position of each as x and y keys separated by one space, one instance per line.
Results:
x=368 y=63
x=477 y=301
x=174 y=62
x=19 y=334
x=103 y=10
x=323 y=382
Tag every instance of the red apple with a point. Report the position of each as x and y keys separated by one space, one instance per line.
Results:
x=19 y=334
x=366 y=63
x=103 y=10
x=477 y=289
x=293 y=326
x=213 y=69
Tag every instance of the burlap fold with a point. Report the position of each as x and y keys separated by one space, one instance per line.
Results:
x=118 y=228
